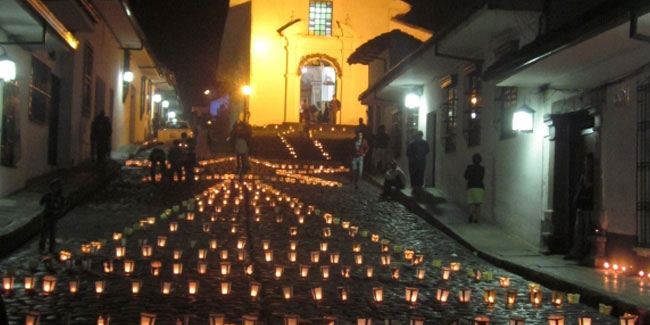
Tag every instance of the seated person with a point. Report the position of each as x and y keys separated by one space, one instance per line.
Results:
x=394 y=178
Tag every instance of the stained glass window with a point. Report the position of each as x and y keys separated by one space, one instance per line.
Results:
x=320 y=18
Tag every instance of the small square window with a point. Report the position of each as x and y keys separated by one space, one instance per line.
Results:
x=320 y=18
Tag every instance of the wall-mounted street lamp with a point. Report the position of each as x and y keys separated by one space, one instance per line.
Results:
x=523 y=118
x=412 y=101
x=127 y=76
x=165 y=104
x=157 y=98
x=246 y=90
x=171 y=115
x=206 y=92
x=7 y=67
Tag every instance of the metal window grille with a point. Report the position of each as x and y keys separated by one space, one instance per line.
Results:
x=507 y=103
x=320 y=18
x=86 y=102
x=643 y=163
x=450 y=119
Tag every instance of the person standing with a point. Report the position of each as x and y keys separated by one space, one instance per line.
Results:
x=394 y=178
x=175 y=158
x=54 y=203
x=583 y=202
x=360 y=150
x=381 y=149
x=157 y=158
x=241 y=137
x=100 y=137
x=417 y=152
x=474 y=174
x=335 y=107
x=156 y=124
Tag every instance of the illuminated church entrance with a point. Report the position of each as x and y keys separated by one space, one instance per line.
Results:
x=317 y=87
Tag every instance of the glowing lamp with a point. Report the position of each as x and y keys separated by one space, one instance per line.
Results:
x=490 y=296
x=385 y=259
x=217 y=319
x=225 y=287
x=464 y=295
x=378 y=294
x=442 y=295
x=73 y=286
x=213 y=244
x=177 y=254
x=523 y=119
x=481 y=320
x=279 y=269
x=325 y=272
x=291 y=319
x=192 y=287
x=241 y=255
x=129 y=266
x=255 y=289
x=584 y=320
x=335 y=257
x=233 y=229
x=315 y=257
x=328 y=218
x=358 y=259
x=555 y=320
x=345 y=224
x=304 y=271
x=30 y=283
x=411 y=295
x=412 y=101
x=223 y=254
x=157 y=98
x=293 y=245
x=364 y=321
x=8 y=283
x=345 y=272
x=343 y=294
x=266 y=244
x=249 y=270
x=369 y=271
x=408 y=254
x=155 y=267
x=417 y=259
x=177 y=268
x=317 y=294
x=136 y=285
x=127 y=76
x=202 y=253
x=557 y=297
x=287 y=292
x=385 y=248
x=356 y=247
x=323 y=246
x=224 y=268
x=100 y=285
x=147 y=319
x=536 y=298
x=416 y=320
x=85 y=248
x=293 y=256
x=108 y=266
x=166 y=288
x=627 y=319
x=146 y=250
x=173 y=226
x=246 y=90
x=446 y=273
x=241 y=242
x=162 y=241
x=293 y=231
x=268 y=255
x=454 y=266
x=504 y=282
x=120 y=251
x=517 y=320
x=394 y=273
x=64 y=256
x=511 y=297
x=95 y=246
x=374 y=238
x=32 y=317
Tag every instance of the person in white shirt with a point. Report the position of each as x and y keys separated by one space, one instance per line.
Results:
x=394 y=178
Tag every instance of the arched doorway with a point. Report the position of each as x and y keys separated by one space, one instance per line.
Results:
x=318 y=85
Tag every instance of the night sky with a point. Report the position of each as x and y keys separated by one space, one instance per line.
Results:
x=185 y=36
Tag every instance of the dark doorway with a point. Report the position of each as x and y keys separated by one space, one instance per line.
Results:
x=53 y=131
x=574 y=138
x=431 y=131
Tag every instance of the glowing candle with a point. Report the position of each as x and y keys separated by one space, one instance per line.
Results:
x=225 y=287
x=343 y=294
x=287 y=292
x=325 y=272
x=369 y=272
x=136 y=285
x=317 y=294
x=442 y=295
x=385 y=259
x=464 y=295
x=255 y=289
x=315 y=257
x=378 y=294
x=99 y=286
x=304 y=271
x=358 y=259
x=411 y=295
x=419 y=273
x=162 y=241
x=446 y=273
x=146 y=250
x=279 y=269
x=177 y=268
x=129 y=266
x=177 y=254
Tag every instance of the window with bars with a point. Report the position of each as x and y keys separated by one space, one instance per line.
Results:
x=320 y=18
x=40 y=91
x=473 y=111
x=507 y=103
x=450 y=109
x=86 y=96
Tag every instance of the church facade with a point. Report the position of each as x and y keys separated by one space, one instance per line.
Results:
x=293 y=53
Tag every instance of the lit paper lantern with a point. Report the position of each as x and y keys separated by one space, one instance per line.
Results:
x=416 y=320
x=173 y=226
x=293 y=256
x=117 y=236
x=155 y=267
x=224 y=254
x=325 y=272
x=584 y=320
x=119 y=251
x=225 y=287
x=100 y=286
x=315 y=257
x=49 y=283
x=64 y=256
x=85 y=248
x=323 y=246
x=356 y=247
x=192 y=287
x=626 y=319
x=279 y=269
x=177 y=254
x=369 y=271
x=304 y=271
x=162 y=241
x=511 y=297
x=555 y=320
x=454 y=266
x=517 y=320
x=249 y=320
x=536 y=298
x=446 y=273
x=345 y=272
x=385 y=247
x=136 y=285
x=358 y=259
x=442 y=295
x=394 y=273
x=293 y=245
x=202 y=253
x=343 y=294
x=146 y=250
x=419 y=273
x=147 y=319
x=490 y=296
x=385 y=260
x=266 y=244
x=411 y=294
x=177 y=268
x=73 y=286
x=30 y=284
x=255 y=289
x=32 y=317
x=557 y=297
x=213 y=244
x=504 y=282
x=206 y=227
x=249 y=270
x=317 y=294
x=374 y=238
x=335 y=257
x=217 y=319
x=241 y=242
x=481 y=320
x=464 y=295
x=408 y=254
x=268 y=255
x=287 y=292
x=103 y=320
x=129 y=266
x=293 y=231
x=364 y=321
x=378 y=294
x=8 y=283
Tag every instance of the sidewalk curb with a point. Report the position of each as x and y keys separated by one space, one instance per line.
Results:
x=15 y=239
x=588 y=296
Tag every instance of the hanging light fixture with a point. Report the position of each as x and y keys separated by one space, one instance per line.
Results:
x=7 y=67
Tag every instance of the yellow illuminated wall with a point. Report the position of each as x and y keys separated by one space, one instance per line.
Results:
x=353 y=23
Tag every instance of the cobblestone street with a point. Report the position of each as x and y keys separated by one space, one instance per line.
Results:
x=269 y=214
